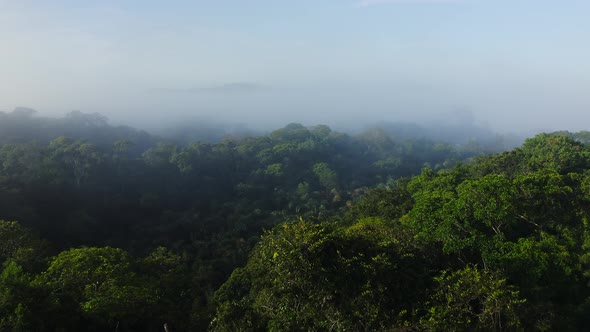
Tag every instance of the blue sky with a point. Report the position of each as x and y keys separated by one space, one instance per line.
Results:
x=514 y=64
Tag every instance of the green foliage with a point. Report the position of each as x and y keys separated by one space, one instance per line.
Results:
x=522 y=216
x=557 y=152
x=470 y=299
x=77 y=159
x=16 y=297
x=20 y=245
x=170 y=283
x=161 y=155
x=274 y=170
x=496 y=243
x=326 y=176
x=13 y=238
x=306 y=276
x=434 y=198
x=99 y=283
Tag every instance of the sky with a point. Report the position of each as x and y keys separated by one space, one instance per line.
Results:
x=515 y=65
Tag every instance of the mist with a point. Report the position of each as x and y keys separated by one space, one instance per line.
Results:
x=295 y=165
x=342 y=63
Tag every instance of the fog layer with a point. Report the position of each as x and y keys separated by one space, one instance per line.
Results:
x=517 y=67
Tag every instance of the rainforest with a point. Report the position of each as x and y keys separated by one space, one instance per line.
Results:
x=299 y=229
x=308 y=165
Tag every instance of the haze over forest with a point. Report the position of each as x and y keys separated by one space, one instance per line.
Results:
x=511 y=66
x=303 y=165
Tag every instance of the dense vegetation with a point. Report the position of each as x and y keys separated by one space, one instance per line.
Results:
x=110 y=228
x=499 y=244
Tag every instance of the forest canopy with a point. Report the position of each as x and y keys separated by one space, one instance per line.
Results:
x=303 y=228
